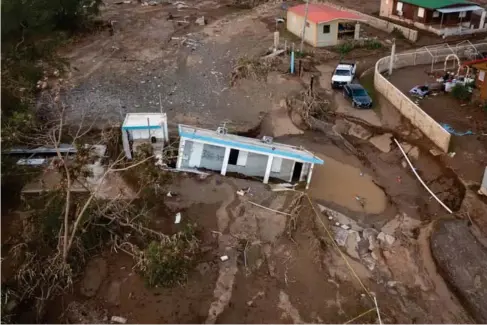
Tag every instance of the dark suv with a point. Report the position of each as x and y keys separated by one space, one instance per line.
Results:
x=359 y=96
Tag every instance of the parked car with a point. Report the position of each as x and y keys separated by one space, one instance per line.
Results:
x=359 y=96
x=343 y=75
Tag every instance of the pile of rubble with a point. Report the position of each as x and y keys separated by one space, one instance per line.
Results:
x=368 y=244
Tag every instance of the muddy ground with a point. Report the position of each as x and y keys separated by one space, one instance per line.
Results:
x=280 y=268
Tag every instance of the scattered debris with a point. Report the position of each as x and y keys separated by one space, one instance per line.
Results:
x=452 y=154
x=451 y=130
x=436 y=152
x=201 y=21
x=169 y=194
x=242 y=192
x=359 y=131
x=340 y=236
x=385 y=238
x=119 y=319
x=346 y=222
x=224 y=258
x=178 y=218
x=258 y=295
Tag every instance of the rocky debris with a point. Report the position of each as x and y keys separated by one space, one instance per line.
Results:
x=336 y=216
x=341 y=236
x=369 y=262
x=413 y=153
x=113 y=293
x=359 y=131
x=382 y=142
x=403 y=223
x=201 y=21
x=95 y=273
x=386 y=239
x=352 y=244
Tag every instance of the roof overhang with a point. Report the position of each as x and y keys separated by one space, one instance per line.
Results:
x=358 y=18
x=459 y=9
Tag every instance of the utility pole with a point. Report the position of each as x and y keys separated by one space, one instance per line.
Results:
x=393 y=55
x=304 y=26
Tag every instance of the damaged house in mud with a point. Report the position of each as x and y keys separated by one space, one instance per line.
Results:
x=263 y=158
x=142 y=128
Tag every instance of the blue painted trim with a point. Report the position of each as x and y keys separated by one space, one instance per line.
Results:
x=239 y=145
x=141 y=127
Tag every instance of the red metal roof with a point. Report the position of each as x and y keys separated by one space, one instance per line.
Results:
x=474 y=62
x=319 y=13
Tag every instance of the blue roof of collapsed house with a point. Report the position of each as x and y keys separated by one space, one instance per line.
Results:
x=250 y=144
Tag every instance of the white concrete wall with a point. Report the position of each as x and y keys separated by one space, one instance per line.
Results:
x=294 y=24
x=328 y=39
x=147 y=134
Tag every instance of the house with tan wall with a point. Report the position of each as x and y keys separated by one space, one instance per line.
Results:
x=325 y=25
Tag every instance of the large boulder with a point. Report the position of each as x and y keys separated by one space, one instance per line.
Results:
x=462 y=260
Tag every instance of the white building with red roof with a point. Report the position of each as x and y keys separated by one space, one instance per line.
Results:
x=325 y=25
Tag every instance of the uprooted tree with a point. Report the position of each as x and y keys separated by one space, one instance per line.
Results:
x=71 y=224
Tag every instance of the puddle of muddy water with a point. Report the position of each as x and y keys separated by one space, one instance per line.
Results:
x=341 y=184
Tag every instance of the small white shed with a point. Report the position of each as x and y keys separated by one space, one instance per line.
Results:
x=139 y=128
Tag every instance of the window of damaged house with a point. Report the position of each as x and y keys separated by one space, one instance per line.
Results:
x=436 y=14
x=326 y=29
x=462 y=14
x=399 y=6
x=421 y=12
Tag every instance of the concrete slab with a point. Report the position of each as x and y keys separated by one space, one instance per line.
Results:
x=359 y=132
x=382 y=142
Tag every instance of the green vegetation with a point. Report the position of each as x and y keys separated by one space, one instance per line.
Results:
x=461 y=92
x=31 y=31
x=372 y=44
x=166 y=263
x=347 y=47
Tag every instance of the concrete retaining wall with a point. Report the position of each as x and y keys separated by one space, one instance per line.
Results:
x=419 y=118
x=381 y=24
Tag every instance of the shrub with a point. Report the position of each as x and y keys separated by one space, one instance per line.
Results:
x=461 y=92
x=372 y=44
x=345 y=48
x=167 y=263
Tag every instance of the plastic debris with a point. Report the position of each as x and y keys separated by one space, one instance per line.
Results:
x=169 y=194
x=451 y=154
x=451 y=130
x=119 y=319
x=241 y=192
x=178 y=217
x=224 y=258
